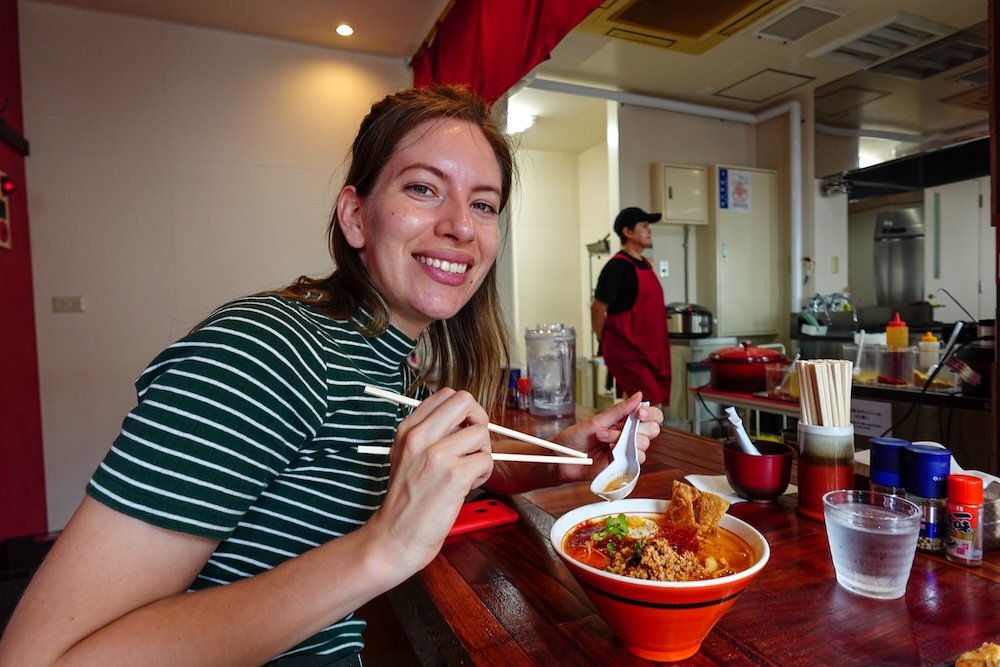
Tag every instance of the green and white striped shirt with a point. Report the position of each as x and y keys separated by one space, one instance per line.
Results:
x=245 y=432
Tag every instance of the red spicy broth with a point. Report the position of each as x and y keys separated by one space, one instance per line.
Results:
x=588 y=541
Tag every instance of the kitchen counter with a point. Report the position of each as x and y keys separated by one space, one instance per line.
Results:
x=962 y=423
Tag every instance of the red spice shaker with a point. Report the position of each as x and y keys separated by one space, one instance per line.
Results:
x=964 y=541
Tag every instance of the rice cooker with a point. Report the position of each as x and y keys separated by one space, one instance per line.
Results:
x=688 y=320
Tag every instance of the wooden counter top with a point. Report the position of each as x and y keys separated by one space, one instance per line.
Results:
x=501 y=596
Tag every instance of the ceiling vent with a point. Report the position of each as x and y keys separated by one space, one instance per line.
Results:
x=978 y=76
x=977 y=98
x=941 y=56
x=679 y=25
x=886 y=40
x=794 y=25
x=845 y=100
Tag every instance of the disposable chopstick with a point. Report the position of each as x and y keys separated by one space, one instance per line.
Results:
x=499 y=430
x=501 y=456
x=848 y=388
x=805 y=391
x=825 y=391
x=832 y=397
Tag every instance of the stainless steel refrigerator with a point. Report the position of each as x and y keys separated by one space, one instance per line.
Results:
x=899 y=256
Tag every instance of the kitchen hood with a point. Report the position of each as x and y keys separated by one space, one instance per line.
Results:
x=957 y=162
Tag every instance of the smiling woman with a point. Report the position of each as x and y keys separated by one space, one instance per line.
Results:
x=428 y=233
x=418 y=121
x=236 y=502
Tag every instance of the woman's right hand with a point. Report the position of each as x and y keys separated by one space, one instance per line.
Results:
x=441 y=452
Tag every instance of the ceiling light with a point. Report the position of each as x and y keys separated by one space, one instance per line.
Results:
x=345 y=30
x=518 y=119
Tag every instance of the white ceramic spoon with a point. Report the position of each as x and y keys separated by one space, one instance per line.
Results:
x=742 y=439
x=618 y=479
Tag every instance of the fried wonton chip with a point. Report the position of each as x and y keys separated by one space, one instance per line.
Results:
x=680 y=512
x=691 y=508
x=987 y=655
x=709 y=508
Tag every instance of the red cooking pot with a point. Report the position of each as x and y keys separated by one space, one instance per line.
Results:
x=741 y=369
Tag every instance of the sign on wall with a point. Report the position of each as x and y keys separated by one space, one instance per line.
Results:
x=734 y=190
x=871 y=418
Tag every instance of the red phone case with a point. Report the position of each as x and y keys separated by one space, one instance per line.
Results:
x=479 y=514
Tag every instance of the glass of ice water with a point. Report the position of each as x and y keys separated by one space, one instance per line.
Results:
x=551 y=362
x=873 y=537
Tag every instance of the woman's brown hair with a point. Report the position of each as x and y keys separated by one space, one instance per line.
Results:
x=470 y=350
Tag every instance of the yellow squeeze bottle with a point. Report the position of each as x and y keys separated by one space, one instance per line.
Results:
x=897 y=334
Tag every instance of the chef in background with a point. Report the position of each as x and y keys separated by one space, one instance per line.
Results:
x=628 y=315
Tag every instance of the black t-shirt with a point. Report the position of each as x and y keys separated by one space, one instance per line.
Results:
x=618 y=284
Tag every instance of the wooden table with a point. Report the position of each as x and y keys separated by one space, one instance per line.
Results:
x=501 y=596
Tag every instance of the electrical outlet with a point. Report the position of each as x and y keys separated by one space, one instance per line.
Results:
x=835 y=265
x=664 y=268
x=68 y=304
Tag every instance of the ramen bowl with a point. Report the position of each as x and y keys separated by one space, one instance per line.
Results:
x=658 y=620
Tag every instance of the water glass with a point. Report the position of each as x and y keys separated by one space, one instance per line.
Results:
x=873 y=537
x=551 y=353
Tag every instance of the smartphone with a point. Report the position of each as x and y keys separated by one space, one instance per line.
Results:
x=479 y=514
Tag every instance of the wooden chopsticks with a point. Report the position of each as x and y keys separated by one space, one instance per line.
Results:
x=825 y=391
x=500 y=456
x=572 y=456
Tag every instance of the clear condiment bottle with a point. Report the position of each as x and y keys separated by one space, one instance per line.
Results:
x=964 y=541
x=930 y=348
x=926 y=479
x=885 y=465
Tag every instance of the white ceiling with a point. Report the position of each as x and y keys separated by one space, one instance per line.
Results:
x=763 y=72
x=382 y=27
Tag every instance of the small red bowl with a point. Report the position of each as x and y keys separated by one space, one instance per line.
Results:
x=759 y=478
x=662 y=621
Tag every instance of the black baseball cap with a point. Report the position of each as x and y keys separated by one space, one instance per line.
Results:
x=633 y=215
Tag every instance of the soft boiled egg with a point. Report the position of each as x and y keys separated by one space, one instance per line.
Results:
x=639 y=528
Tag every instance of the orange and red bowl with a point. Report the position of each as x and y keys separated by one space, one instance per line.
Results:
x=658 y=620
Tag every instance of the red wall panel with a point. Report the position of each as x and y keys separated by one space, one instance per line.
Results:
x=22 y=478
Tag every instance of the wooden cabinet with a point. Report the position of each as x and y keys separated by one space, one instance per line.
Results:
x=680 y=192
x=739 y=253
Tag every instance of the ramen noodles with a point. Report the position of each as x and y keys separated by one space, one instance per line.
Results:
x=685 y=543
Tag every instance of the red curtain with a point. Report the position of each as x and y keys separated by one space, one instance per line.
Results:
x=490 y=44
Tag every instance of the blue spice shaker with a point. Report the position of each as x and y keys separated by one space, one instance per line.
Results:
x=925 y=473
x=886 y=465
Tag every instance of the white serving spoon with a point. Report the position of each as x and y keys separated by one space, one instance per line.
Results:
x=742 y=439
x=618 y=479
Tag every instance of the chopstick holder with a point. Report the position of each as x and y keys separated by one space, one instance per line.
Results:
x=499 y=430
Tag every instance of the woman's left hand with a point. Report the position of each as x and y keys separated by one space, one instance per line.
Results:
x=598 y=435
x=594 y=437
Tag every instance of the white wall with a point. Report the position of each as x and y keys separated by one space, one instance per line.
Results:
x=650 y=136
x=596 y=222
x=829 y=252
x=546 y=245
x=171 y=169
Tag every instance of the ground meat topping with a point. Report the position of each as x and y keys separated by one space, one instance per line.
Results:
x=658 y=561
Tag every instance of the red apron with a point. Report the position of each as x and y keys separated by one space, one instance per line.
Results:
x=635 y=343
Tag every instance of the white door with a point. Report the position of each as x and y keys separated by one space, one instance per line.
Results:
x=958 y=270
